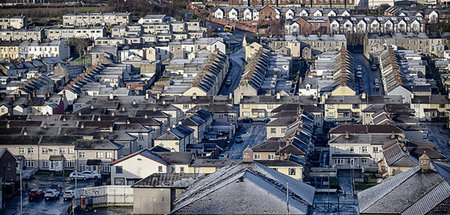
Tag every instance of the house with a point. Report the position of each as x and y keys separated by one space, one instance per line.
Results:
x=423 y=189
x=397 y=159
x=13 y=22
x=154 y=19
x=235 y=185
x=7 y=166
x=156 y=193
x=176 y=139
x=97 y=154
x=134 y=167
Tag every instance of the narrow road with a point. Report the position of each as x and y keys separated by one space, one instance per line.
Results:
x=252 y=135
x=236 y=59
x=368 y=75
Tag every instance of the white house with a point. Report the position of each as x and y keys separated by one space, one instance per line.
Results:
x=290 y=14
x=233 y=14
x=218 y=14
x=132 y=168
x=55 y=48
x=317 y=13
x=361 y=27
x=248 y=15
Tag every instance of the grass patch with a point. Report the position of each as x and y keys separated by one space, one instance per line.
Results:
x=87 y=58
x=363 y=186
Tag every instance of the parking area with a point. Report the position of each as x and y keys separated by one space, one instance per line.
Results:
x=41 y=206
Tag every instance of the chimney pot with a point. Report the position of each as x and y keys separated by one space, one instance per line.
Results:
x=8 y=125
x=347 y=135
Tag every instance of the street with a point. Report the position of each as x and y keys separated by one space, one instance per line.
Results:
x=236 y=59
x=368 y=75
x=437 y=137
x=252 y=134
x=42 y=206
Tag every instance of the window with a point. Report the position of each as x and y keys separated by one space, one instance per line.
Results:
x=339 y=161
x=21 y=150
x=331 y=106
x=364 y=149
x=273 y=130
x=352 y=149
x=196 y=169
x=70 y=163
x=29 y=163
x=44 y=150
x=62 y=150
x=108 y=154
x=363 y=160
x=186 y=106
x=160 y=168
x=246 y=106
x=82 y=167
x=355 y=106
x=81 y=154
x=106 y=167
x=271 y=157
x=257 y=157
x=44 y=163
x=375 y=149
x=291 y=171
x=283 y=130
x=30 y=150
x=99 y=154
x=119 y=169
x=181 y=169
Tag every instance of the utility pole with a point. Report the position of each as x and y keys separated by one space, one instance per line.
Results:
x=21 y=196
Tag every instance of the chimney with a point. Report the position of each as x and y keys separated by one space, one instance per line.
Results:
x=146 y=96
x=424 y=162
x=363 y=96
x=102 y=137
x=29 y=96
x=92 y=106
x=393 y=135
x=194 y=96
x=146 y=116
x=111 y=127
x=34 y=93
x=99 y=118
x=128 y=121
x=247 y=155
x=113 y=114
x=123 y=109
x=111 y=96
x=64 y=119
x=347 y=135
x=79 y=113
x=278 y=96
x=14 y=97
x=82 y=126
x=134 y=102
x=8 y=124
x=45 y=125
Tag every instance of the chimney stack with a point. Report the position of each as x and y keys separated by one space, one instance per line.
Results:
x=393 y=135
x=247 y=155
x=82 y=126
x=8 y=124
x=347 y=135
x=424 y=162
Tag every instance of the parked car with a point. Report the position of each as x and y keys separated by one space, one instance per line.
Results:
x=246 y=120
x=238 y=139
x=265 y=120
x=77 y=175
x=359 y=68
x=51 y=194
x=359 y=74
x=35 y=194
x=91 y=175
x=68 y=195
x=228 y=82
x=374 y=67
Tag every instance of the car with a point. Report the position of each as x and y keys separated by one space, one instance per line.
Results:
x=377 y=86
x=238 y=139
x=35 y=194
x=265 y=120
x=77 y=175
x=51 y=194
x=68 y=195
x=228 y=82
x=359 y=74
x=91 y=175
x=246 y=120
x=359 y=68
x=374 y=67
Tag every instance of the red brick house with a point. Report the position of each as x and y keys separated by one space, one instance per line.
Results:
x=268 y=14
x=313 y=25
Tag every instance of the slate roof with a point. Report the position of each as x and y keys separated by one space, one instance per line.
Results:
x=96 y=144
x=163 y=180
x=145 y=153
x=395 y=156
x=176 y=157
x=411 y=192
x=366 y=129
x=238 y=187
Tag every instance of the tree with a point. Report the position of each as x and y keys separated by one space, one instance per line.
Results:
x=79 y=44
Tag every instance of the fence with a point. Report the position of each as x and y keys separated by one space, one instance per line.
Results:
x=103 y=196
